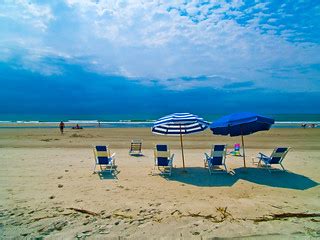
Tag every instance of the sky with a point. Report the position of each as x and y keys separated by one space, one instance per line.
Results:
x=157 y=57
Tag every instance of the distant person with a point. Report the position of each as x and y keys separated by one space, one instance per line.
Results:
x=304 y=125
x=77 y=127
x=61 y=126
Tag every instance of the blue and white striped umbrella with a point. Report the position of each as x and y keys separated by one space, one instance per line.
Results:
x=179 y=124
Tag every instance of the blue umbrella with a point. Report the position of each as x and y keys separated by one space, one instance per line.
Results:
x=240 y=124
x=179 y=124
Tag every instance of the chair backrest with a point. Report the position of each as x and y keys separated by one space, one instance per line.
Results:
x=135 y=146
x=218 y=154
x=278 y=155
x=102 y=154
x=161 y=155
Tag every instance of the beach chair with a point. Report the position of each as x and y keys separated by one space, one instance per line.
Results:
x=104 y=159
x=135 y=148
x=236 y=151
x=216 y=159
x=163 y=160
x=276 y=157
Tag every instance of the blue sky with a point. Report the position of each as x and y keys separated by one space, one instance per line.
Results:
x=82 y=56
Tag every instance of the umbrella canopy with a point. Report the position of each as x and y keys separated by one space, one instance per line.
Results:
x=179 y=124
x=240 y=124
x=243 y=123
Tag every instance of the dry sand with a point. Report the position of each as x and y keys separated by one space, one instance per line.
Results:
x=44 y=175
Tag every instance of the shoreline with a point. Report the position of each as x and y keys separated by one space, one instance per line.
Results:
x=129 y=124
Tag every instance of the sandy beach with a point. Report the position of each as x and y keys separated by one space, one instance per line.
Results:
x=46 y=178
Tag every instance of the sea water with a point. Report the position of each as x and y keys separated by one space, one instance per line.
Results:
x=130 y=121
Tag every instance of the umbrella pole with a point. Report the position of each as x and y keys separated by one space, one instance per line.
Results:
x=244 y=155
x=182 y=148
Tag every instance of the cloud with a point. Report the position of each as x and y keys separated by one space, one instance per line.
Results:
x=187 y=83
x=27 y=13
x=170 y=43
x=80 y=94
x=240 y=85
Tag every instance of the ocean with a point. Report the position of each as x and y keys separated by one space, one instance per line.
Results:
x=131 y=121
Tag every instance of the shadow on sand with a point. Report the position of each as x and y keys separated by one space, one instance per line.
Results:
x=198 y=176
x=104 y=175
x=280 y=179
x=136 y=155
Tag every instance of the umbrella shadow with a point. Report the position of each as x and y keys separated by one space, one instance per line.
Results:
x=200 y=177
x=280 y=179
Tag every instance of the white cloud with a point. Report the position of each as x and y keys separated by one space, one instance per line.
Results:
x=160 y=40
x=27 y=13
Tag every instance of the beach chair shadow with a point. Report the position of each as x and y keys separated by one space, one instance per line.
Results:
x=280 y=179
x=199 y=176
x=137 y=155
x=107 y=175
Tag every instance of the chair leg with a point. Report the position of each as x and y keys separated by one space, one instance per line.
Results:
x=155 y=169
x=282 y=167
x=269 y=167
x=94 y=169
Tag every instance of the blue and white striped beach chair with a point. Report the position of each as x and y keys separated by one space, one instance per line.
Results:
x=163 y=160
x=276 y=157
x=104 y=159
x=216 y=159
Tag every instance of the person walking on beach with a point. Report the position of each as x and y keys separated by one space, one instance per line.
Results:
x=61 y=126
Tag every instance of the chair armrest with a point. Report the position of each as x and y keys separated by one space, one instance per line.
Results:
x=262 y=155
x=207 y=156
x=266 y=159
x=170 y=163
x=113 y=158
